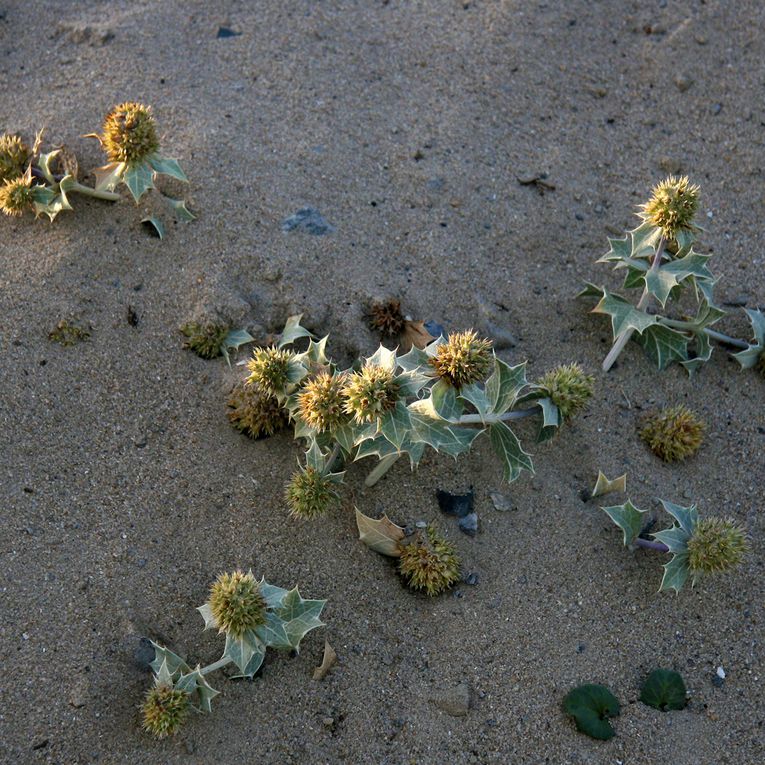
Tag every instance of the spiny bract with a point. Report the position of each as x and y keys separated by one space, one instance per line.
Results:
x=569 y=388
x=269 y=368
x=310 y=494
x=429 y=563
x=320 y=402
x=254 y=412
x=386 y=318
x=463 y=359
x=14 y=154
x=370 y=393
x=672 y=205
x=206 y=340
x=716 y=545
x=236 y=603
x=17 y=195
x=674 y=433
x=130 y=133
x=164 y=710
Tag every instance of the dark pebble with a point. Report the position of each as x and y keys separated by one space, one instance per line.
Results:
x=309 y=220
x=469 y=524
x=471 y=579
x=224 y=32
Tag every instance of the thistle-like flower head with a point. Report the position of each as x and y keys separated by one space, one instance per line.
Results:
x=236 y=603
x=320 y=403
x=164 y=710
x=429 y=563
x=269 y=368
x=569 y=388
x=672 y=206
x=17 y=195
x=716 y=545
x=674 y=433
x=310 y=494
x=464 y=359
x=129 y=133
x=254 y=412
x=370 y=393
x=386 y=318
x=206 y=340
x=14 y=154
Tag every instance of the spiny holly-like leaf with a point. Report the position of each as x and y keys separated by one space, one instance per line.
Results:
x=315 y=356
x=675 y=573
x=414 y=361
x=504 y=385
x=109 y=176
x=292 y=331
x=383 y=357
x=604 y=486
x=442 y=436
x=550 y=420
x=508 y=448
x=620 y=250
x=443 y=401
x=476 y=395
x=164 y=676
x=591 y=290
x=591 y=706
x=624 y=316
x=396 y=424
x=751 y=356
x=167 y=166
x=273 y=633
x=687 y=517
x=664 y=690
x=164 y=655
x=273 y=595
x=179 y=208
x=234 y=340
x=411 y=383
x=139 y=178
x=645 y=239
x=661 y=281
x=300 y=616
x=379 y=447
x=628 y=518
x=207 y=615
x=50 y=201
x=242 y=648
x=382 y=535
x=664 y=345
x=201 y=692
x=154 y=224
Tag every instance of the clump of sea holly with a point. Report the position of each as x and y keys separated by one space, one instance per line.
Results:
x=569 y=388
x=14 y=156
x=698 y=547
x=321 y=402
x=429 y=563
x=673 y=434
x=463 y=359
x=253 y=615
x=370 y=393
x=673 y=317
x=386 y=317
x=254 y=412
x=312 y=491
x=274 y=370
x=207 y=340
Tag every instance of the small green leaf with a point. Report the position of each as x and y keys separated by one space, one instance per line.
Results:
x=179 y=208
x=664 y=690
x=551 y=420
x=645 y=239
x=664 y=345
x=414 y=361
x=164 y=655
x=411 y=383
x=604 y=486
x=379 y=447
x=273 y=595
x=508 y=448
x=624 y=316
x=167 y=167
x=661 y=281
x=751 y=356
x=240 y=649
x=139 y=178
x=292 y=331
x=442 y=436
x=629 y=519
x=153 y=223
x=109 y=176
x=504 y=385
x=272 y=633
x=476 y=395
x=383 y=357
x=591 y=706
x=687 y=517
x=207 y=615
x=396 y=424
x=299 y=616
x=675 y=573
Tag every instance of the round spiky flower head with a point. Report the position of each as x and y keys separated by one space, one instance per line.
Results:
x=672 y=205
x=164 y=710
x=429 y=563
x=569 y=388
x=320 y=403
x=674 y=433
x=130 y=133
x=464 y=359
x=17 y=195
x=716 y=545
x=254 y=412
x=386 y=318
x=14 y=154
x=310 y=494
x=269 y=368
x=206 y=340
x=236 y=603
x=370 y=393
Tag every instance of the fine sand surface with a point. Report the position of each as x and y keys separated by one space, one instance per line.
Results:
x=407 y=125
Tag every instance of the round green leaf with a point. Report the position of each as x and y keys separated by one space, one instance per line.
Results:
x=664 y=690
x=591 y=706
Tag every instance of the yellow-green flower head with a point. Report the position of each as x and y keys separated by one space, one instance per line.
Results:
x=320 y=403
x=236 y=603
x=269 y=368
x=310 y=494
x=164 y=710
x=206 y=340
x=130 y=133
x=673 y=434
x=17 y=196
x=14 y=154
x=370 y=393
x=464 y=359
x=569 y=388
x=672 y=206
x=716 y=545
x=429 y=563
x=254 y=412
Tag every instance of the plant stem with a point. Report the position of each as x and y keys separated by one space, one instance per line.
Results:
x=711 y=333
x=110 y=196
x=623 y=339
x=334 y=454
x=383 y=466
x=215 y=665
x=475 y=419
x=649 y=544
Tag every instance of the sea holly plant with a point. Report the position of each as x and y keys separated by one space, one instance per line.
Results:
x=253 y=615
x=698 y=546
x=659 y=260
x=391 y=405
